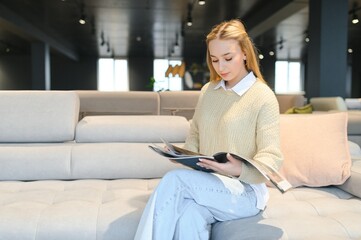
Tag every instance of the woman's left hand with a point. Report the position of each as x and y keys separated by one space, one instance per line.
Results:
x=231 y=168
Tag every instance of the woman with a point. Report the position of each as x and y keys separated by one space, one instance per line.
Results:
x=237 y=113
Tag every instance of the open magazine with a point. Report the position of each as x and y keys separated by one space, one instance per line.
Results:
x=190 y=159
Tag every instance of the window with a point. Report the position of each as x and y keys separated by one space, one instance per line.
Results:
x=172 y=83
x=113 y=74
x=288 y=77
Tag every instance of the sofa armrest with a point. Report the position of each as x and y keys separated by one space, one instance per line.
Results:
x=353 y=183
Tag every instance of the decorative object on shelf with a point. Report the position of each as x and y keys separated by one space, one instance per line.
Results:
x=177 y=69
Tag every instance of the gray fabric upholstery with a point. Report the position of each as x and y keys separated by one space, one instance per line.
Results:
x=38 y=116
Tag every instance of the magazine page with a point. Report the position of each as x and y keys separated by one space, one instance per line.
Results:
x=270 y=174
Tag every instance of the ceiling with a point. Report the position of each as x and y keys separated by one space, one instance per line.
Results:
x=136 y=28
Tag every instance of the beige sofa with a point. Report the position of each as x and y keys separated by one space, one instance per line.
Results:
x=64 y=179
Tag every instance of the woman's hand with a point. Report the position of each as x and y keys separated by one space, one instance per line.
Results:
x=231 y=168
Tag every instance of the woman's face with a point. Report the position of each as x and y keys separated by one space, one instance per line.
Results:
x=228 y=60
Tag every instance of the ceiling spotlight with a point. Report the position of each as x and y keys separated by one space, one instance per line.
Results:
x=307 y=39
x=355 y=19
x=82 y=19
x=189 y=22
x=350 y=50
x=201 y=2
x=260 y=56
x=271 y=53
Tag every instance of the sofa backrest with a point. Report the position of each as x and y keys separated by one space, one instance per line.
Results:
x=118 y=103
x=328 y=104
x=38 y=116
x=287 y=101
x=179 y=103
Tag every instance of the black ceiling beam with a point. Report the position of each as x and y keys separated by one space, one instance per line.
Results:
x=19 y=26
x=264 y=18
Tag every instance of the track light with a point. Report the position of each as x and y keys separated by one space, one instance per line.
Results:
x=82 y=19
x=201 y=2
x=280 y=44
x=189 y=15
x=176 y=44
x=355 y=19
x=353 y=13
x=102 y=40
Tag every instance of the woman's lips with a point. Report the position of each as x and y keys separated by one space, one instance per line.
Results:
x=223 y=75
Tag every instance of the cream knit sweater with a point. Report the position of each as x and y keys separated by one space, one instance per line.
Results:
x=247 y=125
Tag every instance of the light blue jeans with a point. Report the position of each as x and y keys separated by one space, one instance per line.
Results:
x=187 y=202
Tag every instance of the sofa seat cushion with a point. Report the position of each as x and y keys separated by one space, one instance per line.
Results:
x=301 y=213
x=38 y=116
x=81 y=209
x=111 y=209
x=132 y=129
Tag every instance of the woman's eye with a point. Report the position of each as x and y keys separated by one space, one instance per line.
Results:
x=228 y=59
x=214 y=61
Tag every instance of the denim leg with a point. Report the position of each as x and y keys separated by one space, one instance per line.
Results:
x=223 y=198
x=194 y=223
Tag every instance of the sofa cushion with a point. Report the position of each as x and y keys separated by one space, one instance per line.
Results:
x=28 y=162
x=38 y=116
x=132 y=129
x=315 y=149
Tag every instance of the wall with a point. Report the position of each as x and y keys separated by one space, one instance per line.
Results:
x=140 y=72
x=15 y=72
x=67 y=74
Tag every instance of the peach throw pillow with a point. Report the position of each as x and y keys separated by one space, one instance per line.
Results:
x=315 y=149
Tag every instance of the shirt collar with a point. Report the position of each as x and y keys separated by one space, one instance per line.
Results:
x=242 y=86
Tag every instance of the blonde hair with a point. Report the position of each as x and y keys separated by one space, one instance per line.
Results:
x=234 y=29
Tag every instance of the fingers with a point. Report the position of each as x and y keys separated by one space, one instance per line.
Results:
x=209 y=164
x=231 y=158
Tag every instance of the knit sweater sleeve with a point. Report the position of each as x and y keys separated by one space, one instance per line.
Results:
x=267 y=140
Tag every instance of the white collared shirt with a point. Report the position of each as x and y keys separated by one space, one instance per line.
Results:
x=240 y=88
